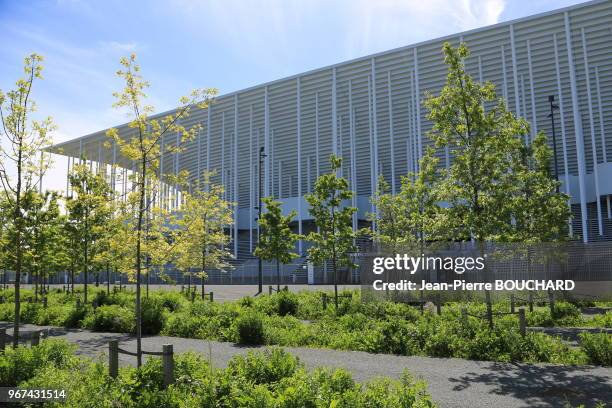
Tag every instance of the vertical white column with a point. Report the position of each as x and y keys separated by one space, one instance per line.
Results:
x=114 y=167
x=602 y=133
x=522 y=99
x=517 y=106
x=374 y=122
x=417 y=107
x=334 y=114
x=534 y=121
x=592 y=129
x=199 y=159
x=504 y=74
x=251 y=180
x=266 y=144
x=162 y=194
x=236 y=198
x=280 y=181
x=176 y=170
x=391 y=132
x=99 y=165
x=68 y=177
x=318 y=170
x=223 y=176
x=577 y=130
x=372 y=165
x=412 y=126
x=353 y=158
x=271 y=158
x=563 y=131
x=298 y=114
x=208 y=133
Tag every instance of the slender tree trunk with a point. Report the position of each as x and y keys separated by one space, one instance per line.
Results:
x=19 y=252
x=203 y=272
x=35 y=279
x=108 y=277
x=72 y=277
x=86 y=260
x=141 y=210
x=334 y=255
x=278 y=278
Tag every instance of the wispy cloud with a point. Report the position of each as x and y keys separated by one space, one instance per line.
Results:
x=269 y=32
x=124 y=47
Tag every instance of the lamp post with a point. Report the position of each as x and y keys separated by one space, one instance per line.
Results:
x=262 y=156
x=551 y=115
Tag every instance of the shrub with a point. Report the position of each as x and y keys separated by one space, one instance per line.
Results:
x=22 y=363
x=172 y=301
x=271 y=378
x=266 y=367
x=101 y=298
x=601 y=320
x=246 y=301
x=112 y=318
x=153 y=315
x=565 y=309
x=75 y=316
x=249 y=328
x=287 y=304
x=598 y=347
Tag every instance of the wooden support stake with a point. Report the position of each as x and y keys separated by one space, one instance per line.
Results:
x=113 y=358
x=511 y=303
x=551 y=303
x=530 y=302
x=36 y=339
x=168 y=364
x=522 y=322
x=2 y=339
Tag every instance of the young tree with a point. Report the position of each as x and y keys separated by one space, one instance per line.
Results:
x=540 y=212
x=46 y=246
x=276 y=240
x=335 y=239
x=482 y=142
x=414 y=215
x=201 y=239
x=89 y=212
x=22 y=138
x=144 y=149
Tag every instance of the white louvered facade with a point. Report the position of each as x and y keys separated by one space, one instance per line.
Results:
x=370 y=112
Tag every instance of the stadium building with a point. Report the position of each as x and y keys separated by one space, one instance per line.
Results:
x=370 y=112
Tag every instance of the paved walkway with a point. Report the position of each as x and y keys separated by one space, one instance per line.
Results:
x=224 y=293
x=453 y=383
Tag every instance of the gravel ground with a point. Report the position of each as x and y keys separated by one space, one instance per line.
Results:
x=226 y=292
x=453 y=383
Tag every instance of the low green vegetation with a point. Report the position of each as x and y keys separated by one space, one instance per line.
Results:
x=299 y=320
x=270 y=378
x=598 y=346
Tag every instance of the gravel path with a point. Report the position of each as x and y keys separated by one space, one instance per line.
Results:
x=453 y=383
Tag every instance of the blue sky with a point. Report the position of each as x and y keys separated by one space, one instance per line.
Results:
x=227 y=44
